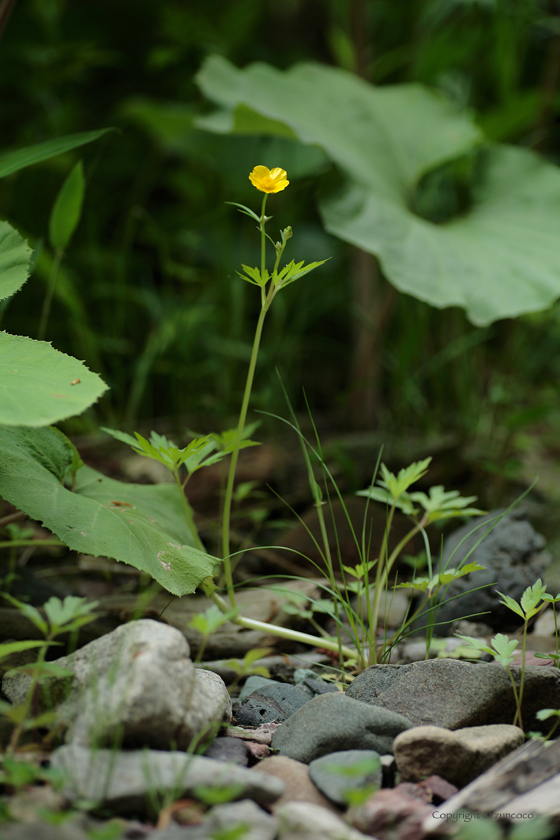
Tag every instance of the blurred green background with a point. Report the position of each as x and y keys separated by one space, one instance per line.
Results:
x=148 y=294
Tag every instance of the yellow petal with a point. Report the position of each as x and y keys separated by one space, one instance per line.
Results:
x=267 y=180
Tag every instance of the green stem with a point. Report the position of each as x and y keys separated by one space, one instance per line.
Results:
x=517 y=702
x=226 y=517
x=522 y=680
x=284 y=632
x=50 y=292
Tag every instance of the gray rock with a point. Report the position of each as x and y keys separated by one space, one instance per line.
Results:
x=513 y=557
x=338 y=774
x=253 y=684
x=42 y=831
x=318 y=686
x=334 y=722
x=259 y=825
x=233 y=750
x=305 y=821
x=124 y=781
x=272 y=703
x=208 y=707
x=138 y=681
x=458 y=757
x=453 y=694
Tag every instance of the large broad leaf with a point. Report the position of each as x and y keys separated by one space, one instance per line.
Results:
x=22 y=158
x=39 y=385
x=15 y=255
x=500 y=259
x=142 y=525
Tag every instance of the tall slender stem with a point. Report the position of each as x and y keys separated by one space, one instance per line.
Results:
x=265 y=303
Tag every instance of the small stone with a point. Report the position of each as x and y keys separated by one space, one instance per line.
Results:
x=208 y=707
x=397 y=813
x=124 y=781
x=258 y=824
x=338 y=774
x=318 y=686
x=253 y=684
x=233 y=750
x=271 y=704
x=458 y=757
x=304 y=821
x=296 y=779
x=301 y=674
x=332 y=722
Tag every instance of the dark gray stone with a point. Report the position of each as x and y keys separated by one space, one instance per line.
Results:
x=252 y=684
x=234 y=750
x=513 y=557
x=333 y=722
x=454 y=694
x=272 y=703
x=339 y=773
x=318 y=686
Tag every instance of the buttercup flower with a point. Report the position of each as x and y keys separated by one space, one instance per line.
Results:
x=268 y=180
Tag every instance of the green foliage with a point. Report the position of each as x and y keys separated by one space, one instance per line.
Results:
x=433 y=584
x=246 y=667
x=11 y=162
x=140 y=525
x=503 y=649
x=438 y=504
x=384 y=140
x=7 y=648
x=67 y=208
x=42 y=385
x=15 y=255
x=210 y=620
x=199 y=452
x=61 y=617
x=531 y=601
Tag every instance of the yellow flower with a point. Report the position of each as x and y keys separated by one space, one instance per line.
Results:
x=268 y=180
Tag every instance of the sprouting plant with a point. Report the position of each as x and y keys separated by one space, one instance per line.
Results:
x=546 y=714
x=246 y=667
x=208 y=622
x=65 y=616
x=200 y=452
x=503 y=651
x=532 y=601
